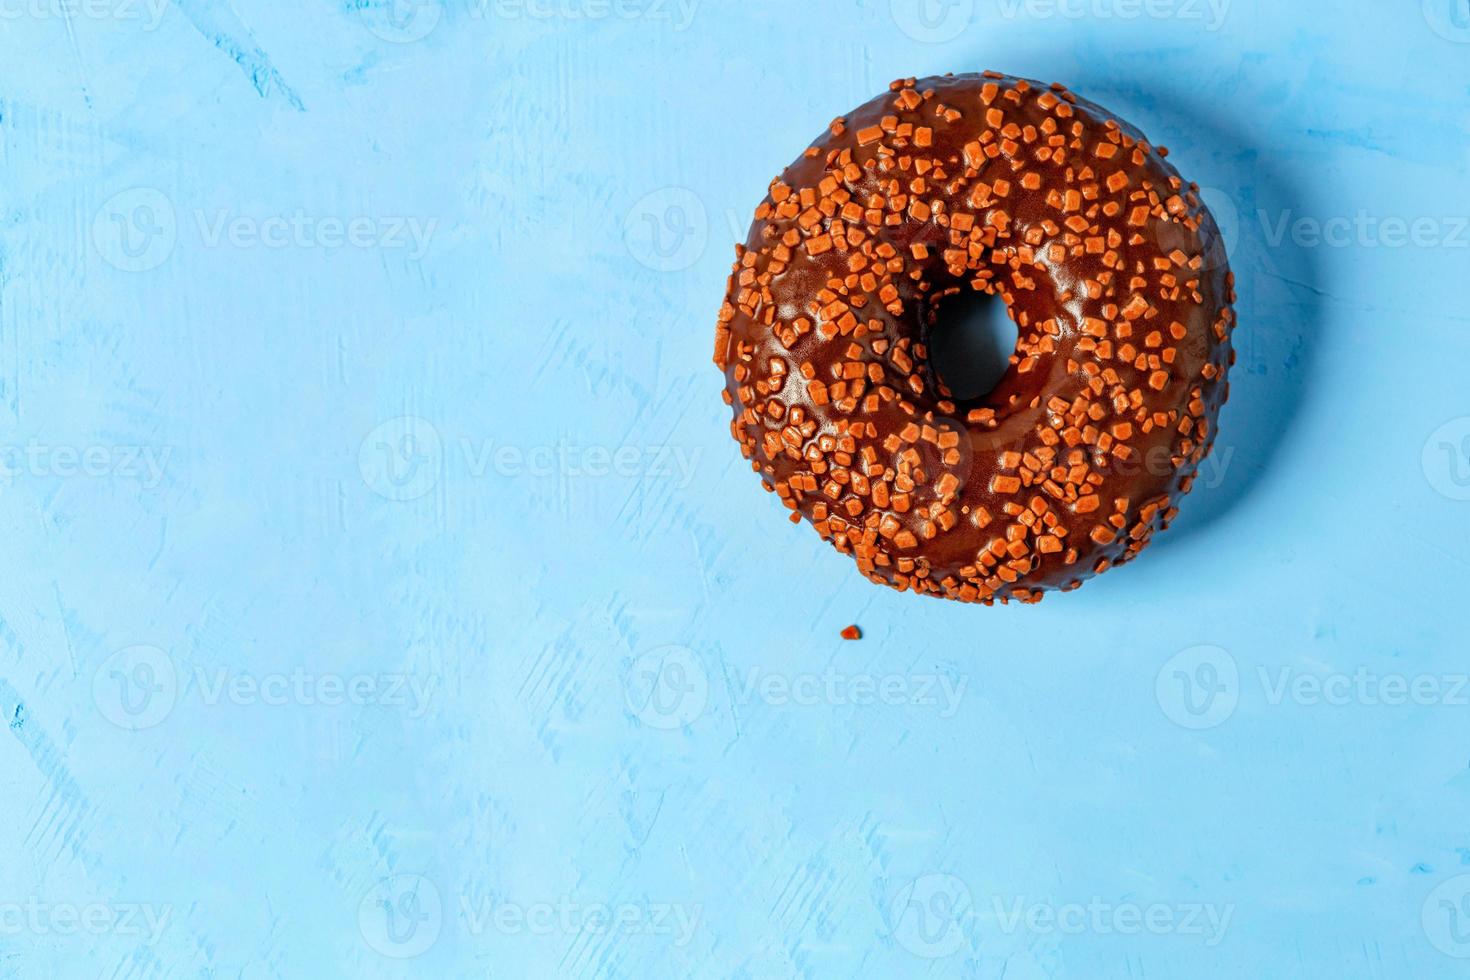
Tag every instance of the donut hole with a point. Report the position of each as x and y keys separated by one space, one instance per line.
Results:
x=971 y=343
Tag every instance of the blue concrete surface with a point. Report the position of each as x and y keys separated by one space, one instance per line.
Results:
x=386 y=598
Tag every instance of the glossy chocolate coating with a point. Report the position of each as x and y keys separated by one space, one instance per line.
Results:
x=1107 y=260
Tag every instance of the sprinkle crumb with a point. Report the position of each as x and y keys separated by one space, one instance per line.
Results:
x=852 y=633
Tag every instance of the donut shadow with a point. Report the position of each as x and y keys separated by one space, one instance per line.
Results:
x=1255 y=196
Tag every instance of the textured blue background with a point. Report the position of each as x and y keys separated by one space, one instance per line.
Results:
x=385 y=595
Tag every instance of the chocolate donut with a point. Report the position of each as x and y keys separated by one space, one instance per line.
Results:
x=1108 y=262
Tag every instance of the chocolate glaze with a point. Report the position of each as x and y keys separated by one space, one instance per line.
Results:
x=1107 y=260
